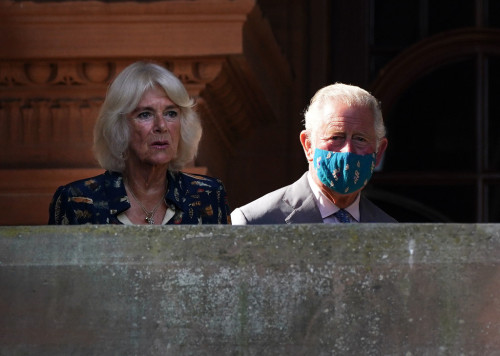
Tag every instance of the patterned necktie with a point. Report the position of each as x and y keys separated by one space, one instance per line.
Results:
x=343 y=216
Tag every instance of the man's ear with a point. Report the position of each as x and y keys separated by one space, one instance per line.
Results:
x=305 y=140
x=382 y=146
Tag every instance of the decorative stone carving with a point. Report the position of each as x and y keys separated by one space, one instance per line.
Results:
x=53 y=73
x=191 y=72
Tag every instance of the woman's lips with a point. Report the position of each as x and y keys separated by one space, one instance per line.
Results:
x=160 y=144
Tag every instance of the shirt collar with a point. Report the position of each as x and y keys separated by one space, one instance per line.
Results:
x=115 y=191
x=119 y=202
x=175 y=188
x=326 y=206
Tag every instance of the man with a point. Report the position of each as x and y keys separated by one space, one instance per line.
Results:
x=344 y=140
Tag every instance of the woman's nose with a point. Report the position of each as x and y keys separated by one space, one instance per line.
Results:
x=160 y=124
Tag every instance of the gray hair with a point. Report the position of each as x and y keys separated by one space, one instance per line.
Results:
x=111 y=131
x=350 y=95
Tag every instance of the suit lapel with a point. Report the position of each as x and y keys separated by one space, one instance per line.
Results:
x=300 y=199
x=369 y=212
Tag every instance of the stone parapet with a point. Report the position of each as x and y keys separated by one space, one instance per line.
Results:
x=357 y=289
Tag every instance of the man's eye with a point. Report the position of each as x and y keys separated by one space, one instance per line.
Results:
x=360 y=139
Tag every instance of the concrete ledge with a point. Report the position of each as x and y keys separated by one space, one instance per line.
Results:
x=360 y=289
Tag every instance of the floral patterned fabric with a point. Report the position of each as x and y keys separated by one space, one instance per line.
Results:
x=196 y=199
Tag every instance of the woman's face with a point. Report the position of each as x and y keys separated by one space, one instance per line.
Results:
x=154 y=130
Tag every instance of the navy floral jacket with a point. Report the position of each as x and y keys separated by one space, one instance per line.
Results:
x=196 y=199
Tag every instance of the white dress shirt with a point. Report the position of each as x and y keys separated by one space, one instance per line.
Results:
x=126 y=221
x=326 y=206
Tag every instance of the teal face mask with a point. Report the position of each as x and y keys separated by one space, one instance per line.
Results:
x=343 y=172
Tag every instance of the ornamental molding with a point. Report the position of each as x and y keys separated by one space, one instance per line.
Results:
x=93 y=29
x=29 y=76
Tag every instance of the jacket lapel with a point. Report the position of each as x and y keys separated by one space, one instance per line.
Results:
x=300 y=200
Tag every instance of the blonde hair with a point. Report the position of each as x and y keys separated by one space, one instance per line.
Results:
x=111 y=131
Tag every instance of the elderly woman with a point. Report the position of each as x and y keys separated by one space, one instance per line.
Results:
x=146 y=132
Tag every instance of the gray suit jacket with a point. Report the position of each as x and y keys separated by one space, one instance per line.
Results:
x=295 y=204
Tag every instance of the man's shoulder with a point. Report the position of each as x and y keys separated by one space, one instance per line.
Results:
x=264 y=210
x=372 y=213
x=271 y=208
x=266 y=201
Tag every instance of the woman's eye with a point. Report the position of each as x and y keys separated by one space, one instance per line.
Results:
x=171 y=114
x=145 y=115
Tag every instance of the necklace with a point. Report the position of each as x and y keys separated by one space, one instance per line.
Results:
x=149 y=214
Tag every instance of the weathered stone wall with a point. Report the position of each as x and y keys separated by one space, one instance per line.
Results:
x=359 y=289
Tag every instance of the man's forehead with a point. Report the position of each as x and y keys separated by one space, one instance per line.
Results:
x=341 y=120
x=360 y=119
x=334 y=108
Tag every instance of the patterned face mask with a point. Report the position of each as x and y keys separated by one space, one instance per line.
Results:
x=344 y=172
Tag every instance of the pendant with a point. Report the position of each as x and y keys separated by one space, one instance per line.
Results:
x=150 y=220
